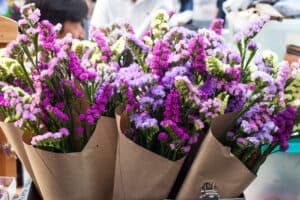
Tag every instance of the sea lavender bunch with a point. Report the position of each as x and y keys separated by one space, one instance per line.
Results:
x=56 y=89
x=247 y=46
x=170 y=105
x=268 y=116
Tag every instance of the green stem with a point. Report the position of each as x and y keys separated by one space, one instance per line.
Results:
x=174 y=155
x=248 y=154
x=263 y=157
x=27 y=77
x=26 y=50
x=237 y=151
x=249 y=59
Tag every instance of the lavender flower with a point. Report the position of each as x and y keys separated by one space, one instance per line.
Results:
x=197 y=52
x=252 y=46
x=172 y=107
x=159 y=62
x=102 y=44
x=255 y=26
x=217 y=26
x=284 y=120
x=143 y=121
x=209 y=87
x=162 y=136
x=171 y=126
x=169 y=79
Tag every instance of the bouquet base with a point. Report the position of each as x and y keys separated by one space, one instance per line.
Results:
x=84 y=175
x=215 y=164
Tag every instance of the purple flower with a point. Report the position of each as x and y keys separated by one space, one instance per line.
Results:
x=47 y=35
x=197 y=53
x=255 y=26
x=64 y=131
x=143 y=121
x=80 y=130
x=193 y=139
x=186 y=149
x=158 y=91
x=284 y=120
x=169 y=78
x=162 y=136
x=262 y=77
x=136 y=43
x=237 y=100
x=210 y=108
x=172 y=107
x=217 y=26
x=282 y=77
x=103 y=96
x=252 y=46
x=179 y=131
x=253 y=141
x=241 y=141
x=77 y=69
x=159 y=62
x=102 y=44
x=234 y=58
x=209 y=87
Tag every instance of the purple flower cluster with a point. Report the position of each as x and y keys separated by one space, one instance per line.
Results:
x=237 y=100
x=79 y=71
x=169 y=78
x=63 y=132
x=172 y=106
x=93 y=113
x=217 y=26
x=159 y=62
x=197 y=52
x=47 y=35
x=282 y=78
x=137 y=45
x=179 y=131
x=209 y=87
x=102 y=44
x=3 y=101
x=255 y=26
x=30 y=13
x=284 y=120
x=210 y=108
x=143 y=121
x=252 y=46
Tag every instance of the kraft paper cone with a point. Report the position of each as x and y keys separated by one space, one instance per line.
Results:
x=14 y=138
x=141 y=174
x=215 y=164
x=84 y=175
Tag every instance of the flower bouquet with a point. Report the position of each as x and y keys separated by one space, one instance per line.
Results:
x=170 y=93
x=232 y=152
x=57 y=91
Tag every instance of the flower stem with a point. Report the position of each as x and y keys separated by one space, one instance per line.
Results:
x=263 y=158
x=27 y=77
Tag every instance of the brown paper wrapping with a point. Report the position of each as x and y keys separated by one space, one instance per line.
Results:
x=215 y=164
x=14 y=138
x=84 y=175
x=141 y=174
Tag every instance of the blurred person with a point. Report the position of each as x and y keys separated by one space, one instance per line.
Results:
x=136 y=12
x=221 y=13
x=185 y=14
x=87 y=20
x=69 y=13
x=186 y=5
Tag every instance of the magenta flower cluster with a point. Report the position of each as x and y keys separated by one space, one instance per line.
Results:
x=159 y=62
